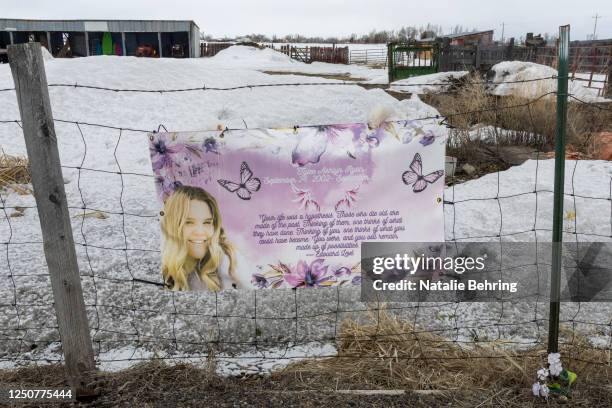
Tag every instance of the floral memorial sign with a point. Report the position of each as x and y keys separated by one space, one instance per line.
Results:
x=286 y=208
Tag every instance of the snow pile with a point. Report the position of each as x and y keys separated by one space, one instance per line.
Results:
x=252 y=56
x=266 y=59
x=510 y=71
x=427 y=83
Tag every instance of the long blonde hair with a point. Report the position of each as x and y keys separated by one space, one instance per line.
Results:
x=176 y=263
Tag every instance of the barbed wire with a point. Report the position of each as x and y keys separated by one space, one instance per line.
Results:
x=295 y=127
x=286 y=84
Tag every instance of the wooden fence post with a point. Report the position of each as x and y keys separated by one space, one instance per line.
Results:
x=44 y=163
x=510 y=50
x=608 y=84
x=444 y=56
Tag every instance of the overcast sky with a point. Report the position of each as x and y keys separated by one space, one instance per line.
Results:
x=335 y=17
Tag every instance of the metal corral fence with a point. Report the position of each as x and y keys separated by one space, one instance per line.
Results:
x=373 y=57
x=92 y=313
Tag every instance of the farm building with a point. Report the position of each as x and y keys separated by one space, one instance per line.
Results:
x=80 y=38
x=470 y=38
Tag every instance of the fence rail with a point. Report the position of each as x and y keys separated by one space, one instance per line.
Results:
x=374 y=57
x=212 y=48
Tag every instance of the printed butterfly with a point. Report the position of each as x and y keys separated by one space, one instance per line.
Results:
x=248 y=183
x=415 y=175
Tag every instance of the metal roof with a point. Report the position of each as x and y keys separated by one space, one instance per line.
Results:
x=465 y=34
x=97 y=25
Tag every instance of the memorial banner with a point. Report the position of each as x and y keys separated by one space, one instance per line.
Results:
x=286 y=208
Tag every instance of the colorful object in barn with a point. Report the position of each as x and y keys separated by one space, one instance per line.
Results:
x=107 y=44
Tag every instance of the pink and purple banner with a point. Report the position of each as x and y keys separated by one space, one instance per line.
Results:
x=283 y=208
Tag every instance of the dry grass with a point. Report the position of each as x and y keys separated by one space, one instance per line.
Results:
x=538 y=118
x=14 y=173
x=383 y=354
x=495 y=132
x=389 y=354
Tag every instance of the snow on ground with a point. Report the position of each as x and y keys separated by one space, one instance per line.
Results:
x=131 y=321
x=427 y=83
x=521 y=71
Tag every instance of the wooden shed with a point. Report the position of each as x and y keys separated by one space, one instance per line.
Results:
x=470 y=38
x=81 y=38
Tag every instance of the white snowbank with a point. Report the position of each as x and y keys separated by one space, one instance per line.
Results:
x=266 y=59
x=252 y=56
x=521 y=71
x=427 y=83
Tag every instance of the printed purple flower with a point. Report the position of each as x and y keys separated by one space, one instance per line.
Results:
x=355 y=128
x=162 y=152
x=259 y=281
x=167 y=187
x=351 y=145
x=412 y=129
x=368 y=138
x=210 y=145
x=310 y=147
x=376 y=134
x=356 y=280
x=373 y=138
x=160 y=182
x=427 y=139
x=342 y=271
x=306 y=275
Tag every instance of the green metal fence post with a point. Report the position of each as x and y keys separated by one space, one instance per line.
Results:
x=390 y=66
x=557 y=238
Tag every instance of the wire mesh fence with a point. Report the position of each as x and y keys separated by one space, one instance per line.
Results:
x=133 y=318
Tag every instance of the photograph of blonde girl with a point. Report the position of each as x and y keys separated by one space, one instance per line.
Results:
x=196 y=253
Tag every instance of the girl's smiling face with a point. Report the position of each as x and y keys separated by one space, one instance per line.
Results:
x=198 y=228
